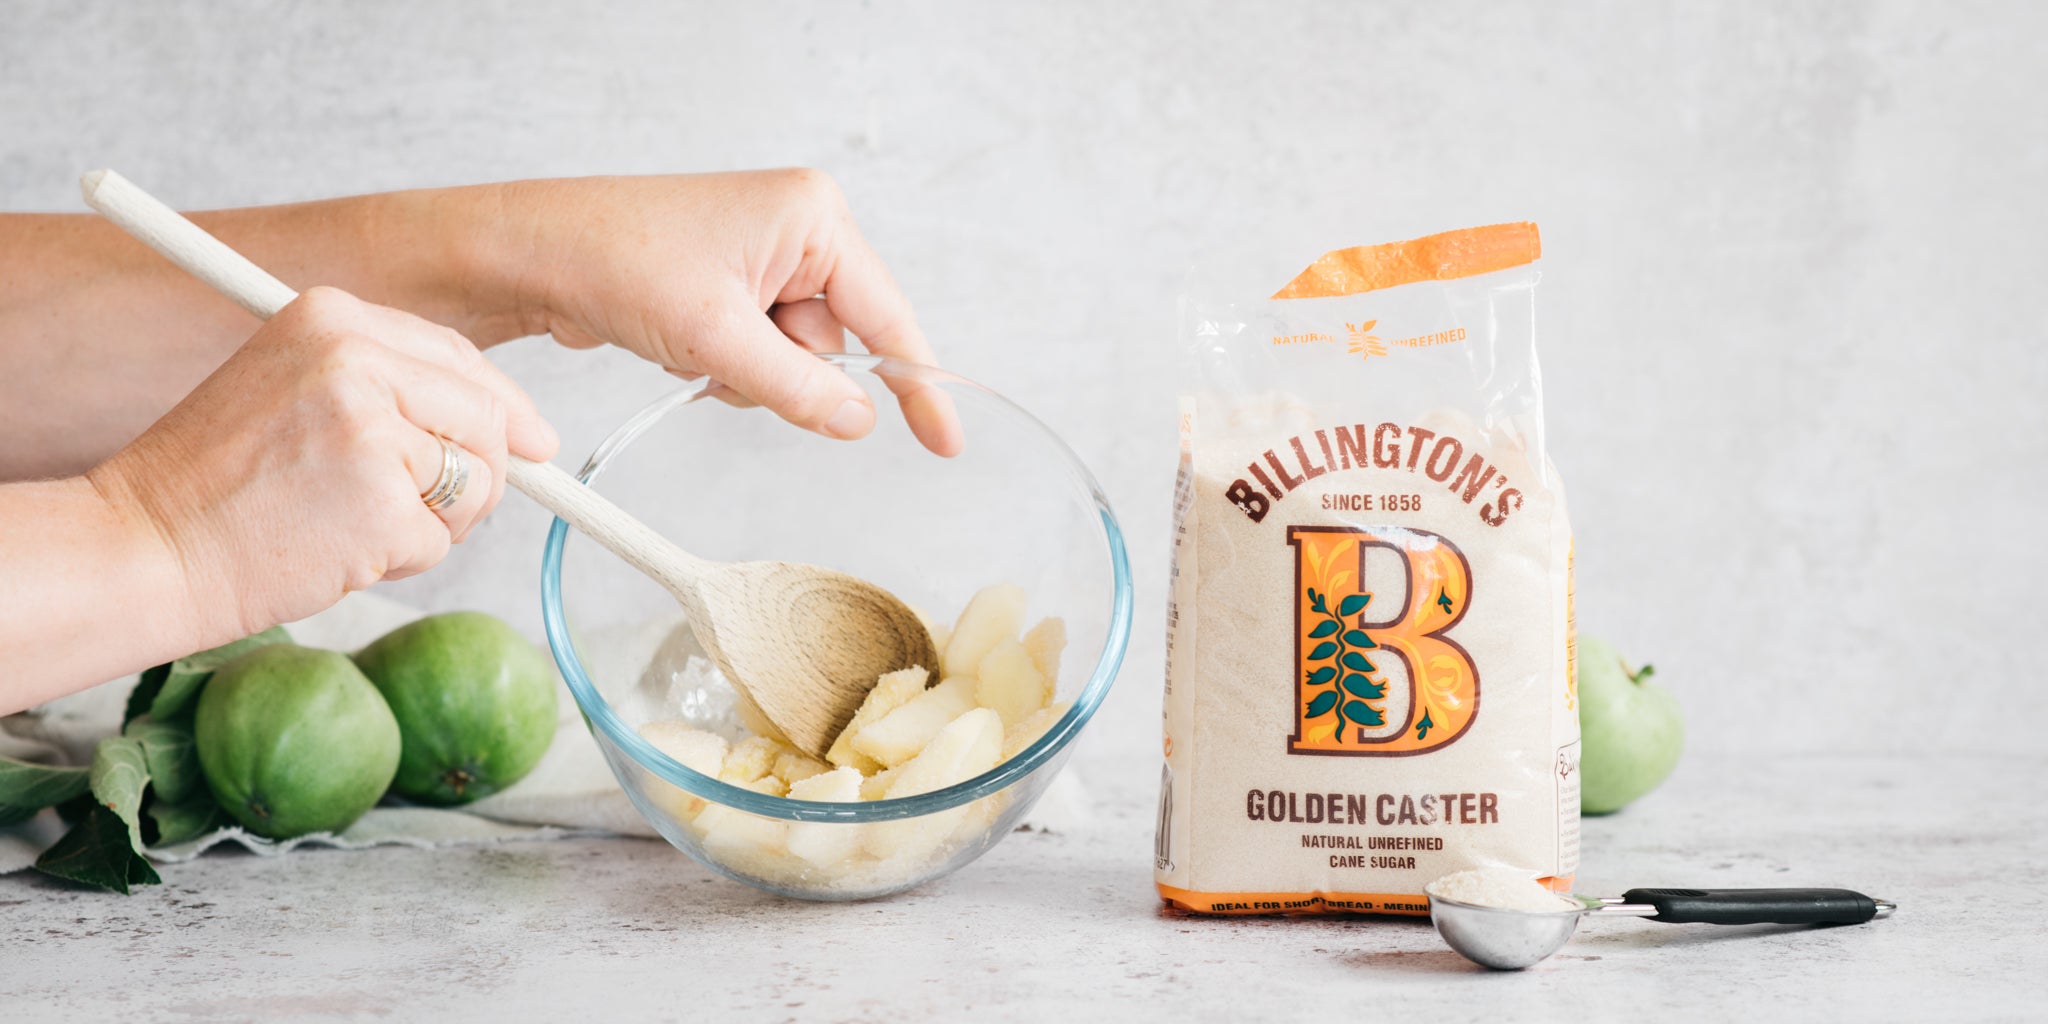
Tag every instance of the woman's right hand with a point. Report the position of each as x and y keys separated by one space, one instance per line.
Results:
x=293 y=475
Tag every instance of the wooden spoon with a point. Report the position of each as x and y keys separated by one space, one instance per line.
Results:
x=801 y=645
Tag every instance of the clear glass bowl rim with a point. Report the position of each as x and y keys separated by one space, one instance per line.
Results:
x=598 y=713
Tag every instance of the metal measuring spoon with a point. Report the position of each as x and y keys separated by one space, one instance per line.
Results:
x=1510 y=940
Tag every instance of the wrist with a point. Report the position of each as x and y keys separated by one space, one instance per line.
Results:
x=470 y=252
x=160 y=593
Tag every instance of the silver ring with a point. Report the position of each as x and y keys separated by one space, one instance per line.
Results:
x=447 y=488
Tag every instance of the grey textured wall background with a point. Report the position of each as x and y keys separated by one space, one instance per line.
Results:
x=1792 y=336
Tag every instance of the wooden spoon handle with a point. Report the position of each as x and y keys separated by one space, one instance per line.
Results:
x=606 y=523
x=185 y=243
x=254 y=289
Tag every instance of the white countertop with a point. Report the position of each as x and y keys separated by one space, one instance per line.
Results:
x=1065 y=926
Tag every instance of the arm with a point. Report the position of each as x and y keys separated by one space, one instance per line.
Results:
x=72 y=562
x=100 y=336
x=735 y=275
x=292 y=473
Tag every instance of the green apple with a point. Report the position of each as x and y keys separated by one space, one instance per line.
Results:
x=1630 y=729
x=294 y=740
x=475 y=703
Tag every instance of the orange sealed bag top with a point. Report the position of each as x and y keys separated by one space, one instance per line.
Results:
x=1368 y=659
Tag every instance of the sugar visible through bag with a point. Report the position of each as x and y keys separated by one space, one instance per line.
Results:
x=1369 y=679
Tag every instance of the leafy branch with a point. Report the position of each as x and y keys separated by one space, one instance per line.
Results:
x=1349 y=668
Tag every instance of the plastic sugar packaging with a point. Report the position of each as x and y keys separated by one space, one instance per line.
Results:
x=1369 y=678
x=1499 y=889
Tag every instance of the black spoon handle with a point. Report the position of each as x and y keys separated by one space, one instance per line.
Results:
x=1759 y=906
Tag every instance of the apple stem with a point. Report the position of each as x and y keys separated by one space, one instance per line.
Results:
x=1639 y=676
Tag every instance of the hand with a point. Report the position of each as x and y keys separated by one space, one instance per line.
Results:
x=293 y=474
x=738 y=276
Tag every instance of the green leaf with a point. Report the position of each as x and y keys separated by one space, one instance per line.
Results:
x=171 y=757
x=1322 y=630
x=1357 y=638
x=1357 y=662
x=97 y=852
x=74 y=810
x=147 y=686
x=168 y=691
x=191 y=819
x=1321 y=676
x=1323 y=650
x=1353 y=605
x=1422 y=728
x=1363 y=688
x=1443 y=600
x=1322 y=704
x=1363 y=714
x=27 y=787
x=119 y=774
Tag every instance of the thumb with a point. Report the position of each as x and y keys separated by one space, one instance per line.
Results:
x=762 y=363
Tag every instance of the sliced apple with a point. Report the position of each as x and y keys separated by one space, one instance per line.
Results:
x=825 y=844
x=735 y=828
x=1010 y=684
x=898 y=736
x=892 y=691
x=700 y=751
x=965 y=748
x=1045 y=643
x=1027 y=732
x=750 y=759
x=876 y=786
x=794 y=766
x=991 y=617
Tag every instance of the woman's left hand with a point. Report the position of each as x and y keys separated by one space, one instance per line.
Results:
x=738 y=276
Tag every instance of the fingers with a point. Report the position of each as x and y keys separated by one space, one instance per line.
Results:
x=442 y=404
x=810 y=323
x=931 y=415
x=428 y=543
x=427 y=460
x=441 y=385
x=862 y=295
x=789 y=380
x=417 y=538
x=527 y=432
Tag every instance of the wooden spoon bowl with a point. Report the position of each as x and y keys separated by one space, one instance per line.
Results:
x=822 y=637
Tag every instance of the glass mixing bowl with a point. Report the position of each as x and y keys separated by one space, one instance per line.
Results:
x=731 y=482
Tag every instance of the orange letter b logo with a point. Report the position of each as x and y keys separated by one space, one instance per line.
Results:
x=1343 y=639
